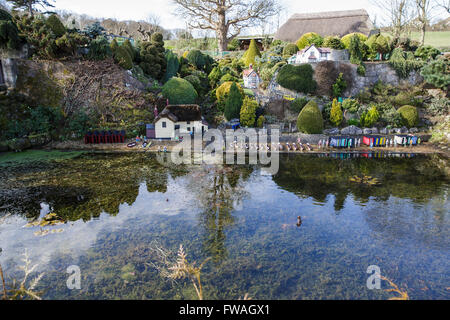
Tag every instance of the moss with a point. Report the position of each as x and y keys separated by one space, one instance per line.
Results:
x=410 y=116
x=310 y=119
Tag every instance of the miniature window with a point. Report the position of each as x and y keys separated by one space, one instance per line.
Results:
x=164 y=125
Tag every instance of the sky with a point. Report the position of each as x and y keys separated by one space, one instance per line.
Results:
x=140 y=9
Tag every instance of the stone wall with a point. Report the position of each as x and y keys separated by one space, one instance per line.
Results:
x=375 y=71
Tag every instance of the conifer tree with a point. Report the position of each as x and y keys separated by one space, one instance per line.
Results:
x=249 y=56
x=336 y=115
x=233 y=103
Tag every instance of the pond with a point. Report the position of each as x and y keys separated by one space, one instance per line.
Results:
x=118 y=209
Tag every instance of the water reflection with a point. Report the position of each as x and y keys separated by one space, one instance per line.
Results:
x=116 y=205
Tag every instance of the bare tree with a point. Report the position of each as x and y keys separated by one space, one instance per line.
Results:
x=226 y=17
x=399 y=14
x=423 y=11
x=445 y=4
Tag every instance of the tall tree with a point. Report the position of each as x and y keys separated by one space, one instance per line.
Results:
x=30 y=4
x=399 y=14
x=444 y=4
x=423 y=9
x=226 y=17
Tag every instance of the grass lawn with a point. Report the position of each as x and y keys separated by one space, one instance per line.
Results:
x=438 y=39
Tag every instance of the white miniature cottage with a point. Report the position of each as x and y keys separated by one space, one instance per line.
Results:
x=251 y=78
x=315 y=54
x=179 y=119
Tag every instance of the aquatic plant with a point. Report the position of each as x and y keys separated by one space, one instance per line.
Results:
x=180 y=268
x=24 y=289
x=365 y=180
x=403 y=295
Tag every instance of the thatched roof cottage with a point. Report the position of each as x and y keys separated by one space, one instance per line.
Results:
x=335 y=23
x=179 y=119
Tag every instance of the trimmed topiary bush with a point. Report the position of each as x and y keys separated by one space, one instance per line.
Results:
x=410 y=116
x=290 y=49
x=233 y=103
x=347 y=38
x=297 y=105
x=308 y=39
x=224 y=89
x=298 y=78
x=333 y=43
x=249 y=56
x=179 y=91
x=310 y=119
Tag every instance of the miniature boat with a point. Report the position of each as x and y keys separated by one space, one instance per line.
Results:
x=131 y=145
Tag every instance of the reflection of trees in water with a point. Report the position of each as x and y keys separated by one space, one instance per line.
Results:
x=417 y=179
x=219 y=190
x=85 y=187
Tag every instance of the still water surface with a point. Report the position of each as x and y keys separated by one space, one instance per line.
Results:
x=118 y=208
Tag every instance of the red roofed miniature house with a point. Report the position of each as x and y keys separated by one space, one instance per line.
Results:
x=251 y=78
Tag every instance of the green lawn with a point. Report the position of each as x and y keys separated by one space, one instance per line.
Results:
x=438 y=39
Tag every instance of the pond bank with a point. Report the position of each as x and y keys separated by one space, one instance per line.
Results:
x=425 y=148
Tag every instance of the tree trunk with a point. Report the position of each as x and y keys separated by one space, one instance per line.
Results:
x=422 y=41
x=30 y=7
x=222 y=32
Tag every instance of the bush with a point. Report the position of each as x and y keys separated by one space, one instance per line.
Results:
x=56 y=25
x=361 y=70
x=99 y=49
x=297 y=105
x=224 y=89
x=427 y=53
x=353 y=122
x=403 y=98
x=308 y=39
x=9 y=35
x=439 y=106
x=347 y=38
x=197 y=59
x=310 y=119
x=298 y=78
x=249 y=56
x=233 y=45
x=410 y=116
x=339 y=86
x=227 y=78
x=5 y=15
x=122 y=58
x=437 y=73
x=248 y=112
x=336 y=114
x=370 y=117
x=290 y=49
x=179 y=91
x=233 y=103
x=351 y=105
x=195 y=81
x=333 y=43
x=403 y=62
x=260 y=121
x=173 y=64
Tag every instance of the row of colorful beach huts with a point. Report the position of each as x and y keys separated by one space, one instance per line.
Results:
x=371 y=141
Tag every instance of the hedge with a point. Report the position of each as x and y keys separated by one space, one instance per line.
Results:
x=298 y=78
x=410 y=116
x=310 y=119
x=179 y=91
